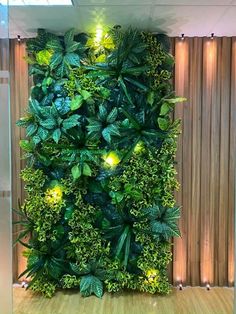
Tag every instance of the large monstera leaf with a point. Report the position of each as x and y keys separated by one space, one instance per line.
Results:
x=162 y=222
x=67 y=53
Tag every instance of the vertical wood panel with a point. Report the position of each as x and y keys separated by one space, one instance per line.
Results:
x=180 y=246
x=206 y=174
x=232 y=165
x=224 y=160
x=195 y=102
x=19 y=100
x=206 y=254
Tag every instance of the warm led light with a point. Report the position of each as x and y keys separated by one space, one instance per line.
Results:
x=139 y=147
x=24 y=284
x=152 y=276
x=53 y=195
x=112 y=159
x=98 y=36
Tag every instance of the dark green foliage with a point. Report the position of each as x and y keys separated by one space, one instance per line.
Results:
x=100 y=147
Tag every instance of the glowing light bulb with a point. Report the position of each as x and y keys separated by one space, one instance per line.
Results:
x=152 y=276
x=98 y=36
x=180 y=286
x=208 y=287
x=54 y=195
x=139 y=147
x=112 y=159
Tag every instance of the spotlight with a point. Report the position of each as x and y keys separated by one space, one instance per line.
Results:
x=18 y=38
x=212 y=36
x=182 y=36
x=24 y=284
x=117 y=26
x=208 y=287
x=180 y=286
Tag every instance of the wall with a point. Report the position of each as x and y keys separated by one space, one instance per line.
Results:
x=205 y=73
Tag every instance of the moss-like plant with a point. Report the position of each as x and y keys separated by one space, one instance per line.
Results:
x=100 y=177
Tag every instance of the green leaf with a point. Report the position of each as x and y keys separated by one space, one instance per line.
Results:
x=102 y=113
x=48 y=123
x=76 y=172
x=76 y=102
x=71 y=122
x=94 y=126
x=62 y=69
x=69 y=212
x=23 y=122
x=43 y=133
x=163 y=123
x=86 y=285
x=151 y=98
x=31 y=129
x=56 y=135
x=112 y=115
x=27 y=145
x=56 y=59
x=97 y=287
x=72 y=59
x=87 y=170
x=73 y=46
x=111 y=130
x=85 y=94
x=34 y=107
x=121 y=240
x=36 y=139
x=55 y=45
x=175 y=100
x=135 y=70
x=165 y=109
x=90 y=284
x=69 y=36
x=117 y=197
x=123 y=86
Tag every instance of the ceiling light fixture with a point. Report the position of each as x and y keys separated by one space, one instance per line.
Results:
x=212 y=36
x=182 y=36
x=18 y=38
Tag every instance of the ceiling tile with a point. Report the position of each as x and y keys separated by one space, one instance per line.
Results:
x=29 y=19
x=226 y=26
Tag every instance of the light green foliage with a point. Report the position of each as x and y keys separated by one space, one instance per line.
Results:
x=47 y=288
x=86 y=241
x=70 y=281
x=100 y=178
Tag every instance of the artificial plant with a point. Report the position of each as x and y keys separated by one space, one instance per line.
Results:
x=100 y=144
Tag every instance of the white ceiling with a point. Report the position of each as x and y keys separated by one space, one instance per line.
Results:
x=174 y=17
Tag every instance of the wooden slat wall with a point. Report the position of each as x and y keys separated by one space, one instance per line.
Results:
x=205 y=73
x=19 y=89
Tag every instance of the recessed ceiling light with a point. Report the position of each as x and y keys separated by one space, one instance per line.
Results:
x=39 y=2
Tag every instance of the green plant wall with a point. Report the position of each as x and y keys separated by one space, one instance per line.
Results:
x=100 y=177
